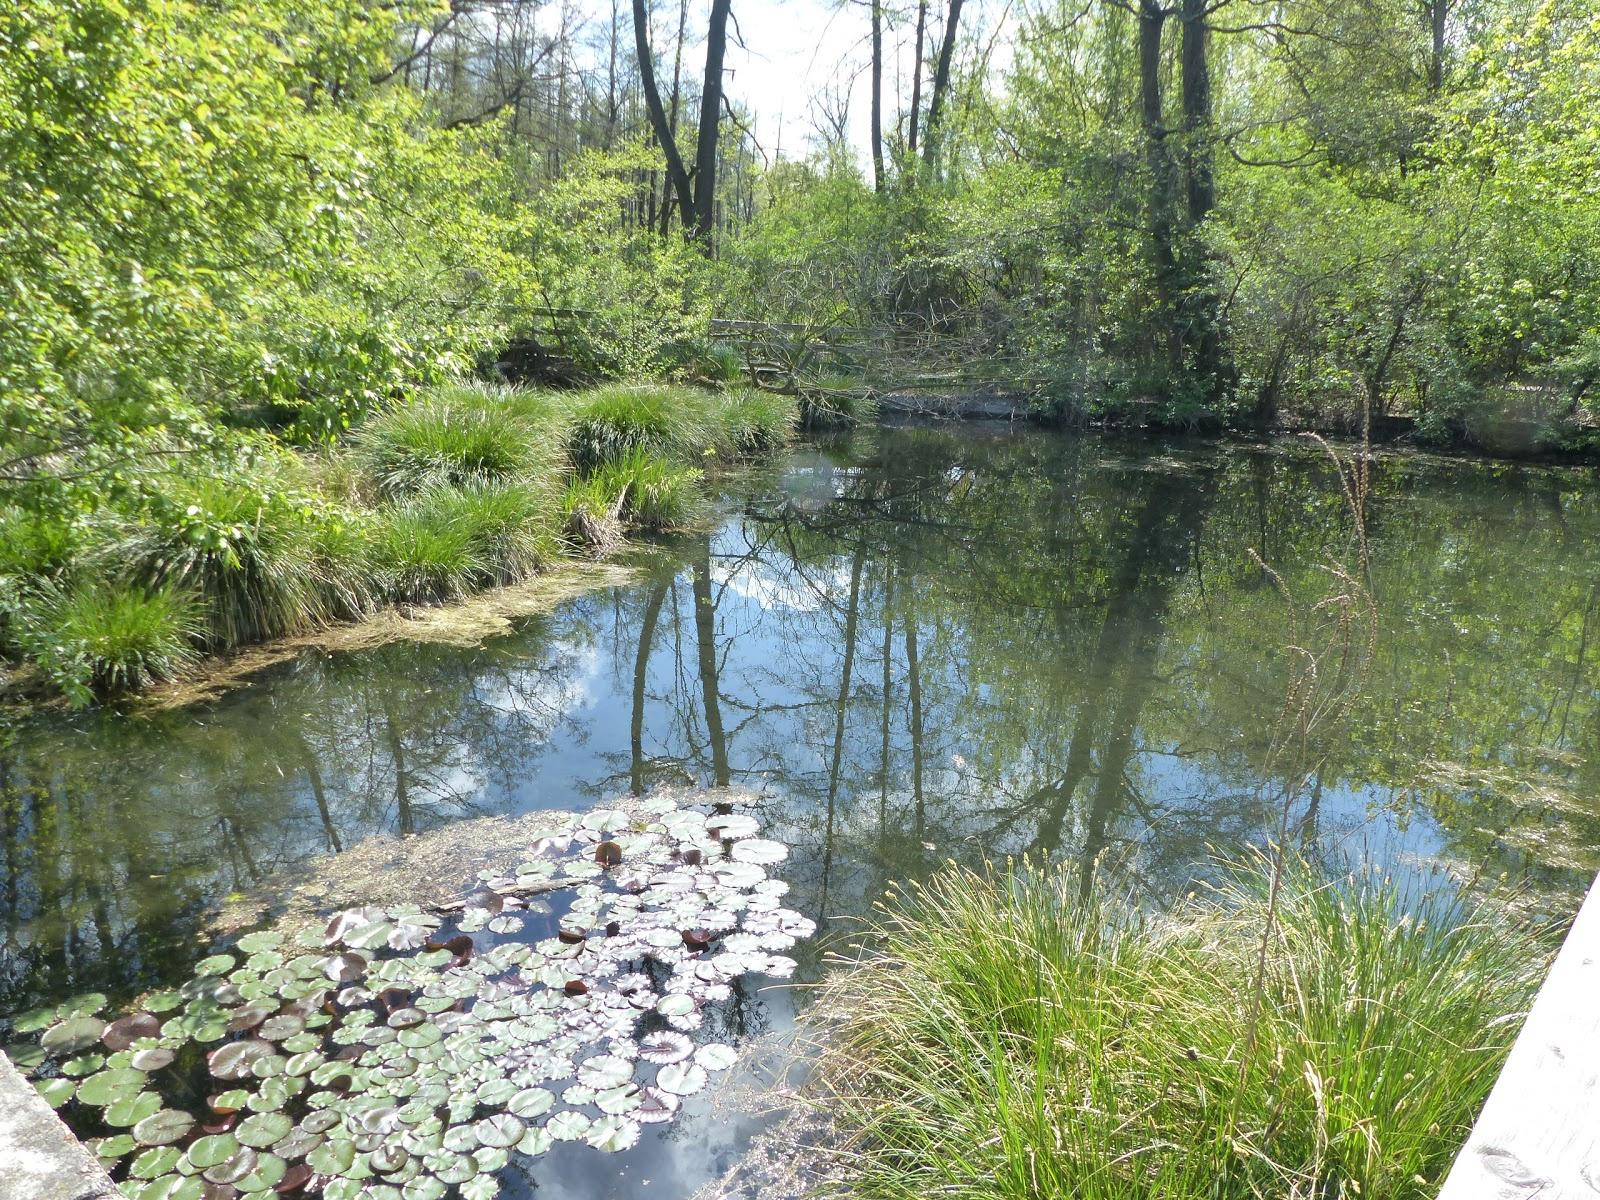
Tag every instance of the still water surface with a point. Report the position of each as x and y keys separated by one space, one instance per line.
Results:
x=917 y=645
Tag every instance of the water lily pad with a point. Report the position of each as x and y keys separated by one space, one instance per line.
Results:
x=71 y=1036
x=130 y=1110
x=153 y=1059
x=656 y=1106
x=123 y=1033
x=731 y=825
x=263 y=1129
x=119 y=1146
x=388 y=1158
x=681 y=1079
x=605 y=1071
x=80 y=1065
x=215 y=1148
x=217 y=964
x=34 y=1020
x=55 y=1091
x=613 y=1134
x=81 y=1006
x=421 y=1035
x=676 y=1004
x=424 y=1187
x=25 y=1056
x=618 y=1100
x=162 y=1127
x=154 y=1163
x=174 y=1187
x=236 y=1059
x=333 y=1157
x=107 y=1087
x=285 y=1025
x=500 y=1130
x=567 y=1125
x=241 y=1163
x=665 y=1047
x=161 y=1002
x=530 y=1103
x=714 y=1056
x=345 y=968
x=483 y=1187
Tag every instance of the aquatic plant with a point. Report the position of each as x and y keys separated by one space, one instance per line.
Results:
x=397 y=1054
x=610 y=423
x=752 y=422
x=1012 y=1036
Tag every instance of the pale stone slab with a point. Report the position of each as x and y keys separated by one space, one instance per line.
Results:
x=39 y=1157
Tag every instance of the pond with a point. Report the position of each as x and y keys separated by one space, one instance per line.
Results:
x=912 y=645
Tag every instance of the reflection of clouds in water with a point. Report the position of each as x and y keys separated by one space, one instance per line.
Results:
x=569 y=677
x=773 y=587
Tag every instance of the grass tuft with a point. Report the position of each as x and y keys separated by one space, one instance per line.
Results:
x=456 y=436
x=106 y=638
x=1014 y=1038
x=610 y=423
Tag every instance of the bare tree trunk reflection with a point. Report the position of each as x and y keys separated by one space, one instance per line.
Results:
x=641 y=663
x=852 y=614
x=705 y=627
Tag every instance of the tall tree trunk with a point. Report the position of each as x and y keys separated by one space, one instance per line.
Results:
x=705 y=158
x=877 y=95
x=1159 y=165
x=1198 y=147
x=941 y=85
x=677 y=96
x=916 y=74
x=1438 y=12
x=677 y=174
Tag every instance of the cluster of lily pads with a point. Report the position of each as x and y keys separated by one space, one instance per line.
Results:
x=394 y=1055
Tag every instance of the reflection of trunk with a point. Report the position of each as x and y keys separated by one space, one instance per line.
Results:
x=842 y=707
x=1130 y=638
x=402 y=785
x=1308 y=823
x=914 y=686
x=641 y=661
x=308 y=758
x=888 y=686
x=705 y=627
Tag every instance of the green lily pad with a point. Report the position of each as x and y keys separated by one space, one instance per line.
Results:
x=217 y=964
x=424 y=1187
x=216 y=1148
x=108 y=1087
x=268 y=1169
x=231 y=1170
x=25 y=1056
x=530 y=1103
x=83 y=1064
x=112 y=1148
x=162 y=1002
x=72 y=1036
x=163 y=1127
x=333 y=1157
x=422 y=1035
x=130 y=1110
x=36 y=1019
x=153 y=1059
x=55 y=1091
x=81 y=1006
x=174 y=1187
x=263 y=1129
x=157 y=1162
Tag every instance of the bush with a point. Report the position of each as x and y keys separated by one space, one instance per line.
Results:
x=447 y=542
x=655 y=495
x=752 y=422
x=1015 y=1037
x=456 y=436
x=105 y=638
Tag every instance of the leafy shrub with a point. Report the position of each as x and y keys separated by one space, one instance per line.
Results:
x=96 y=637
x=455 y=436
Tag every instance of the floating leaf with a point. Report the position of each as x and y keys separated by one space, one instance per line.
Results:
x=83 y=1064
x=207 y=1152
x=656 y=1106
x=110 y=1086
x=714 y=1056
x=482 y=1187
x=85 y=1005
x=71 y=1036
x=263 y=1129
x=665 y=1047
x=500 y=1130
x=174 y=1187
x=236 y=1059
x=613 y=1134
x=345 y=968
x=55 y=1091
x=388 y=1158
x=231 y=1170
x=162 y=1002
x=285 y=1025
x=681 y=1079
x=130 y=1110
x=34 y=1020
x=121 y=1034
x=567 y=1126
x=217 y=964
x=25 y=1056
x=154 y=1059
x=731 y=825
x=675 y=1004
x=604 y=1071
x=163 y=1127
x=618 y=1100
x=530 y=1103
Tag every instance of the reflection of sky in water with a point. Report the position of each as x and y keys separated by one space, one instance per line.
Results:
x=1012 y=605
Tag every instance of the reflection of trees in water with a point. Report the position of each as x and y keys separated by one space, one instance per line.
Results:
x=961 y=645
x=115 y=834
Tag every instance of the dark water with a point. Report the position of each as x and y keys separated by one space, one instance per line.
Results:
x=924 y=644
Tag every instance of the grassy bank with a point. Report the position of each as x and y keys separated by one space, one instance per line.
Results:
x=465 y=487
x=1010 y=1037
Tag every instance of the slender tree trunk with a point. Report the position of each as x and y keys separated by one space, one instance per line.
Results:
x=888 y=688
x=842 y=708
x=916 y=74
x=1198 y=148
x=1438 y=13
x=705 y=158
x=877 y=95
x=914 y=686
x=941 y=86
x=677 y=174
x=1158 y=162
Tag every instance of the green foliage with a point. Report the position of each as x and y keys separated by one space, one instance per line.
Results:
x=610 y=423
x=94 y=637
x=655 y=494
x=456 y=435
x=1020 y=1034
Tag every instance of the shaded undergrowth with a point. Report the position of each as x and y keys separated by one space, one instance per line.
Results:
x=1013 y=1035
x=466 y=487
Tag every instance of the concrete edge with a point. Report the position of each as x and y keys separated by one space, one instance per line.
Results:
x=39 y=1157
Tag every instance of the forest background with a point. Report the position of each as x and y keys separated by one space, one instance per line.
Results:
x=231 y=228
